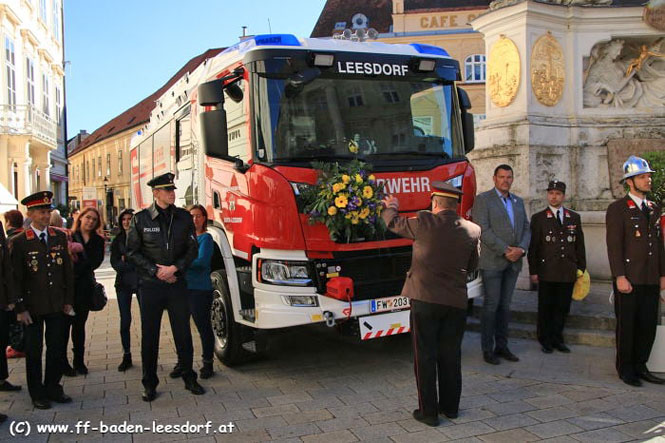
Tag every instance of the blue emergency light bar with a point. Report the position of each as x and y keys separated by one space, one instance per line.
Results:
x=264 y=40
x=429 y=49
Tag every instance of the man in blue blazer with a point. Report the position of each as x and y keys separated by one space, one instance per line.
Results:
x=504 y=241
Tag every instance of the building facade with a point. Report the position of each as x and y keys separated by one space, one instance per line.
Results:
x=32 y=139
x=443 y=23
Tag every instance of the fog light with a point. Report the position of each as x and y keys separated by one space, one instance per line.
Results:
x=301 y=300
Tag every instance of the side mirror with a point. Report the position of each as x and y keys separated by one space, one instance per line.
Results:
x=211 y=93
x=214 y=133
x=234 y=91
x=467 y=120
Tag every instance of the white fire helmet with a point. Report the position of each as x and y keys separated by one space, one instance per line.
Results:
x=635 y=166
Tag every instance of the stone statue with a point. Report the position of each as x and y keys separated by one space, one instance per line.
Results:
x=635 y=80
x=497 y=4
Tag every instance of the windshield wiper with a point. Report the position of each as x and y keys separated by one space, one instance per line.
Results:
x=314 y=157
x=415 y=153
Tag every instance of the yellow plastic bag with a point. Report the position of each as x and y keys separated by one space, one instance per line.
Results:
x=582 y=285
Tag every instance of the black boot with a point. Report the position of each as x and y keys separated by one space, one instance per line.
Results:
x=126 y=362
x=207 y=370
x=176 y=372
x=79 y=366
x=68 y=370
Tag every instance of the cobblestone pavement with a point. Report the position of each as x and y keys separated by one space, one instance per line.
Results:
x=314 y=385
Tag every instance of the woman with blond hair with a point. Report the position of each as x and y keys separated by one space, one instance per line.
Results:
x=86 y=231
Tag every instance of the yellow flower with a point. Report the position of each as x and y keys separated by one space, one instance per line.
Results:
x=364 y=213
x=348 y=215
x=368 y=192
x=353 y=146
x=338 y=187
x=371 y=177
x=359 y=178
x=341 y=201
x=332 y=210
x=346 y=179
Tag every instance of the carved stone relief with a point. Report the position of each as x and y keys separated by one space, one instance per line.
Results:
x=548 y=70
x=625 y=74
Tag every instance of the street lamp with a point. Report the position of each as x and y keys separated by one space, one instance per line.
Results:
x=108 y=202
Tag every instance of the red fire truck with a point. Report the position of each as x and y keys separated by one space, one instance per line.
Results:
x=242 y=133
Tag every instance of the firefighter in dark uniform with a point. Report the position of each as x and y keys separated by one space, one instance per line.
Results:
x=436 y=286
x=637 y=261
x=161 y=244
x=556 y=254
x=44 y=286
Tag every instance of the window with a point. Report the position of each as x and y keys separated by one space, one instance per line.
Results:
x=108 y=165
x=474 y=68
x=55 y=10
x=42 y=11
x=389 y=92
x=30 y=80
x=99 y=166
x=58 y=105
x=10 y=63
x=93 y=169
x=355 y=97
x=119 y=162
x=45 y=93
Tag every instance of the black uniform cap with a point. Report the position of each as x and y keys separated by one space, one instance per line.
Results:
x=39 y=200
x=443 y=189
x=556 y=185
x=164 y=181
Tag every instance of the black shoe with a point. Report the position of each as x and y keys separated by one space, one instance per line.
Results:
x=506 y=354
x=176 y=372
x=149 y=394
x=648 y=376
x=6 y=386
x=429 y=421
x=41 y=403
x=491 y=358
x=562 y=348
x=126 y=363
x=206 y=371
x=81 y=368
x=68 y=370
x=194 y=387
x=3 y=418
x=450 y=415
x=631 y=380
x=547 y=349
x=60 y=398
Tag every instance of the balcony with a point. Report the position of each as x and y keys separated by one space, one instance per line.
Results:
x=28 y=120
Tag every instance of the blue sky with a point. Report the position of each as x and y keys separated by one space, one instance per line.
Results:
x=121 y=51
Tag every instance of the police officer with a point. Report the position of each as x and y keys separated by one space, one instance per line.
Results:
x=436 y=285
x=637 y=262
x=161 y=243
x=44 y=287
x=555 y=254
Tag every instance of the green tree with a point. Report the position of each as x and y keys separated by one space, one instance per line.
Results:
x=656 y=160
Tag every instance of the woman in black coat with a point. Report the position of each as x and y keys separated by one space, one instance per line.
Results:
x=85 y=232
x=126 y=284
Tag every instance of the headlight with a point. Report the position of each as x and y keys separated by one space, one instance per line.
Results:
x=301 y=300
x=280 y=272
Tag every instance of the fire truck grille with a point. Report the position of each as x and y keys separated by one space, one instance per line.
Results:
x=375 y=274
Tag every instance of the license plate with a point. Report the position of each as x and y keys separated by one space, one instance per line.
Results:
x=389 y=304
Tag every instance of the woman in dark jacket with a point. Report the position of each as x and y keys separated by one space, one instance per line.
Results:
x=126 y=284
x=85 y=232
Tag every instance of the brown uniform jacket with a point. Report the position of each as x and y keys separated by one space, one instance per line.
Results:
x=557 y=249
x=446 y=248
x=5 y=271
x=635 y=243
x=43 y=276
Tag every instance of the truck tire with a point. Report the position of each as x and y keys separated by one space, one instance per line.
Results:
x=228 y=333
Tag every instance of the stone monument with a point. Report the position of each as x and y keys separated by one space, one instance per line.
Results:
x=573 y=88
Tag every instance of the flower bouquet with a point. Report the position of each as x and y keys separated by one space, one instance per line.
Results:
x=347 y=199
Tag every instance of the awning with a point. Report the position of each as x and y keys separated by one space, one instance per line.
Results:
x=7 y=200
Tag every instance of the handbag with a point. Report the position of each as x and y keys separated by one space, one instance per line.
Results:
x=17 y=336
x=99 y=298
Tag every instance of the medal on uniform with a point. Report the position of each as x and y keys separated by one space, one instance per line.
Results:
x=59 y=261
x=638 y=234
x=554 y=239
x=34 y=263
x=570 y=239
x=548 y=238
x=53 y=254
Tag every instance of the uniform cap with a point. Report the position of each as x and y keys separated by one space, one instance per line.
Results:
x=164 y=181
x=635 y=166
x=556 y=185
x=443 y=189
x=39 y=200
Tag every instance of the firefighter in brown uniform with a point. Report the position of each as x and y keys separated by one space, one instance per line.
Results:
x=44 y=287
x=556 y=253
x=637 y=262
x=445 y=250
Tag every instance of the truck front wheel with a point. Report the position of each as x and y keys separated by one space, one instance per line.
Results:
x=228 y=333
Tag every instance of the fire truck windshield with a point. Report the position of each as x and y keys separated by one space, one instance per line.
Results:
x=337 y=118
